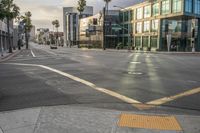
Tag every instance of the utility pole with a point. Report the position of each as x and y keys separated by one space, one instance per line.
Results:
x=104 y=28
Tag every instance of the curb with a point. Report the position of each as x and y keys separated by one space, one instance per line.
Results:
x=10 y=56
x=145 y=52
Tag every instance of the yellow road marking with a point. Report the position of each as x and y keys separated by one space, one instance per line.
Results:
x=106 y=91
x=133 y=102
x=171 y=98
x=149 y=122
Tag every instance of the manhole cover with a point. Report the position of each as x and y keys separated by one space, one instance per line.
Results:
x=135 y=62
x=135 y=73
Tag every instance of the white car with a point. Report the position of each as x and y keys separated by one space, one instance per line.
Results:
x=53 y=46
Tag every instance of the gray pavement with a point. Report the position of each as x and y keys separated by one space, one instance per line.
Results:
x=75 y=119
x=142 y=77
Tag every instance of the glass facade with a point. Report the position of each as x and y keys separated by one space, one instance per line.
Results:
x=181 y=31
x=176 y=6
x=139 y=13
x=165 y=7
x=154 y=22
x=197 y=6
x=139 y=27
x=147 y=11
x=146 y=26
x=188 y=6
x=155 y=9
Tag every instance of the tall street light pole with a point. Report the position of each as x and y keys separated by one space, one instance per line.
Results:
x=104 y=28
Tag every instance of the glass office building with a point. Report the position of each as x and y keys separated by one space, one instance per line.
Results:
x=147 y=25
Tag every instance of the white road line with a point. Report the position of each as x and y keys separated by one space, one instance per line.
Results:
x=49 y=52
x=106 y=91
x=33 y=54
x=131 y=101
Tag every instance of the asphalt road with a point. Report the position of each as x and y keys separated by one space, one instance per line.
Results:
x=143 y=77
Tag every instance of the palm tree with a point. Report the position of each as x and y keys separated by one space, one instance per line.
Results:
x=80 y=8
x=1 y=12
x=52 y=39
x=26 y=19
x=9 y=10
x=57 y=25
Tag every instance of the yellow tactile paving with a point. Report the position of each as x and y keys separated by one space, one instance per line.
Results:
x=149 y=122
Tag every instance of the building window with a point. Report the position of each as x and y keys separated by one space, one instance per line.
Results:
x=165 y=7
x=145 y=41
x=125 y=29
x=121 y=16
x=139 y=27
x=137 y=41
x=147 y=11
x=155 y=9
x=126 y=16
x=132 y=15
x=146 y=26
x=188 y=6
x=197 y=6
x=177 y=4
x=154 y=41
x=139 y=13
x=154 y=25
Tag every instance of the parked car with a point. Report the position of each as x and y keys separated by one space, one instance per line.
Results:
x=53 y=46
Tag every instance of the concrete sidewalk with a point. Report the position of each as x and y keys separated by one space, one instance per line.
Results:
x=7 y=56
x=139 y=51
x=74 y=119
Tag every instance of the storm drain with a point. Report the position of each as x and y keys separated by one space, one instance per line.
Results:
x=149 y=122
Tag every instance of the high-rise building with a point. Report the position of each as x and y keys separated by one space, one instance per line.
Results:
x=71 y=23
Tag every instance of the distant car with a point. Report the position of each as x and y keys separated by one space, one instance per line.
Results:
x=53 y=46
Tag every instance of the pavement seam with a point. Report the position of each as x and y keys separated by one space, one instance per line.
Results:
x=1 y=130
x=37 y=121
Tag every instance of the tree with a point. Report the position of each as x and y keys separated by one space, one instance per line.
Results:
x=1 y=12
x=26 y=19
x=57 y=25
x=52 y=38
x=80 y=8
x=9 y=10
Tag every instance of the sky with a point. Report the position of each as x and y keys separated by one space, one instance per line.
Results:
x=45 y=11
